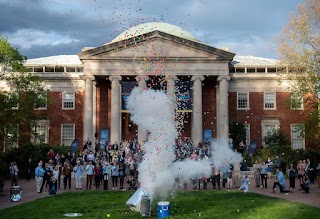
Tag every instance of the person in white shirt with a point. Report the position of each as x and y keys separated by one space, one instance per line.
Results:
x=90 y=156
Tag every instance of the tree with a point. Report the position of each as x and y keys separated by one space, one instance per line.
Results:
x=10 y=59
x=299 y=50
x=20 y=92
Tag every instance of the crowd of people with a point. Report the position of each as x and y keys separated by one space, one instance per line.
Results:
x=117 y=163
x=304 y=170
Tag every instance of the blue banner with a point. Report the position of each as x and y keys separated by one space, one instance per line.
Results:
x=207 y=135
x=184 y=95
x=74 y=145
x=127 y=87
x=104 y=138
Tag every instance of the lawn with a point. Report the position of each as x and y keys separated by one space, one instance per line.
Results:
x=184 y=204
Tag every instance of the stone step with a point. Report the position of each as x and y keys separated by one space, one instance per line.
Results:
x=249 y=173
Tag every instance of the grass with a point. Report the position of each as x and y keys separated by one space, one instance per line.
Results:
x=184 y=204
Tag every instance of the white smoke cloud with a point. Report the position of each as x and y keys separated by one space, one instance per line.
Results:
x=152 y=110
x=223 y=155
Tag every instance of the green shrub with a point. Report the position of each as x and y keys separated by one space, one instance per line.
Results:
x=287 y=154
x=249 y=159
x=22 y=154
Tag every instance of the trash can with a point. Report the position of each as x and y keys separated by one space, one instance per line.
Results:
x=163 y=209
x=145 y=206
x=134 y=201
x=15 y=193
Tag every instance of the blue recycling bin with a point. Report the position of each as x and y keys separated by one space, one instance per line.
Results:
x=163 y=209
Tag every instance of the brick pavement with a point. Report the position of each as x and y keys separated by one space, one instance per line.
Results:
x=29 y=193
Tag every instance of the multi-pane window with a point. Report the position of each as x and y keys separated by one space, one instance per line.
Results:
x=247 y=128
x=70 y=69
x=296 y=102
x=67 y=134
x=59 y=69
x=269 y=100
x=68 y=100
x=11 y=136
x=243 y=100
x=79 y=69
x=297 y=136
x=41 y=102
x=40 y=132
x=269 y=127
x=268 y=130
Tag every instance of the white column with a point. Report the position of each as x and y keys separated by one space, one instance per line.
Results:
x=223 y=107
x=196 y=124
x=94 y=113
x=115 y=132
x=88 y=109
x=171 y=88
x=142 y=83
x=217 y=110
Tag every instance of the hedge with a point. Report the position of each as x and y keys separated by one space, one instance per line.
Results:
x=22 y=154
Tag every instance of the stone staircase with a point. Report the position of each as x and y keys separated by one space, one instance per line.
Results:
x=248 y=172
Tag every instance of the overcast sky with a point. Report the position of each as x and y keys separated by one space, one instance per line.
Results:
x=41 y=28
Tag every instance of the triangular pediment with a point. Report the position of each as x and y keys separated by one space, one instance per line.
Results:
x=156 y=45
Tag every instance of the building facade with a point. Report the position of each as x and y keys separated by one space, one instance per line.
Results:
x=212 y=87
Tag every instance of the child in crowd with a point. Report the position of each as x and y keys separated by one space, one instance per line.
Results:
x=131 y=183
x=305 y=184
x=52 y=185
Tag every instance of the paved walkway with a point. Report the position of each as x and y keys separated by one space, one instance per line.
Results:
x=29 y=193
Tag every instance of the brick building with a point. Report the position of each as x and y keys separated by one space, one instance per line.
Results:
x=87 y=89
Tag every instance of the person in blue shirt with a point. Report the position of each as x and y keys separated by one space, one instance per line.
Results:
x=115 y=175
x=281 y=182
x=78 y=173
x=39 y=173
x=245 y=183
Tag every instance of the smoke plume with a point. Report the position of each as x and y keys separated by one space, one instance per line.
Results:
x=152 y=110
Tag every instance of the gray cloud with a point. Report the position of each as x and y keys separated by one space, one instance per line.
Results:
x=95 y=22
x=50 y=50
